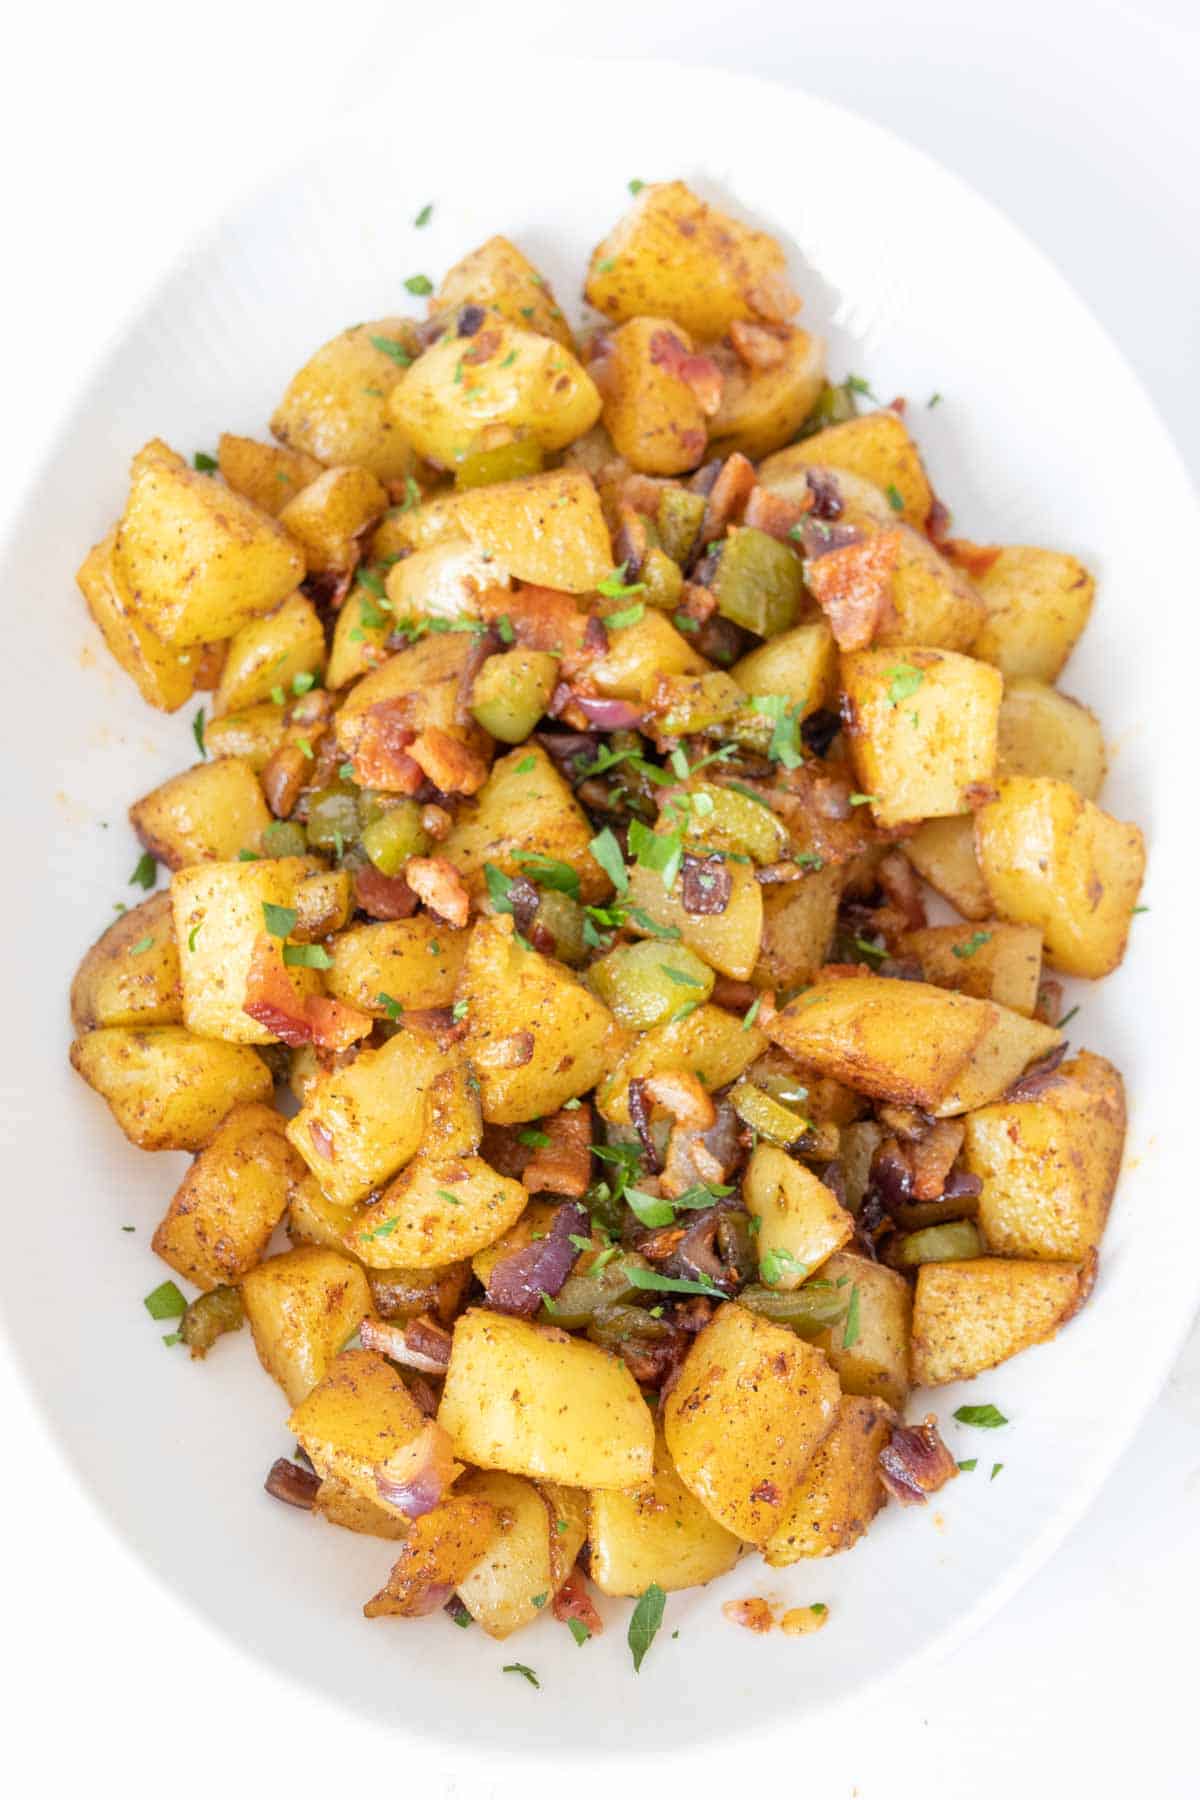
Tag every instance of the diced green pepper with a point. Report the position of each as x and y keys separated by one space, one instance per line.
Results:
x=564 y=919
x=284 y=838
x=808 y=1310
x=581 y=1297
x=209 y=1316
x=692 y=703
x=616 y=1325
x=512 y=691
x=661 y=578
x=394 y=836
x=757 y=582
x=332 y=818
x=647 y=983
x=766 y=1115
x=680 y=516
x=956 y=1241
x=833 y=407
x=723 y=819
x=479 y=468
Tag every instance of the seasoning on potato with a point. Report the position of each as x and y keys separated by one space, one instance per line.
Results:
x=596 y=716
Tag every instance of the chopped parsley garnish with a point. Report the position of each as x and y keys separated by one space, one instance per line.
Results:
x=934 y=400
x=302 y=682
x=412 y=494
x=606 y=266
x=858 y=385
x=970 y=945
x=971 y=1462
x=607 y=852
x=192 y=936
x=307 y=956
x=198 y=732
x=988 y=1416
x=140 y=949
x=165 y=1302
x=778 y=1263
x=644 y=1624
x=658 y=850
x=655 y=1283
x=680 y=977
x=391 y=1007
x=996 y=1468
x=419 y=284
x=204 y=463
x=628 y=615
x=850 y=1330
x=615 y=587
x=636 y=186
x=784 y=746
x=448 y=1197
x=895 y=497
x=864 y=799
x=520 y=1668
x=578 y=1630
x=504 y=629
x=424 y=216
x=1066 y=1018
x=649 y=1209
x=395 y=349
x=145 y=873
x=539 y=1600
x=751 y=1013
x=280 y=921
x=537 y=1140
x=526 y=765
x=548 y=872
x=458 y=1011
x=905 y=680
x=499 y=887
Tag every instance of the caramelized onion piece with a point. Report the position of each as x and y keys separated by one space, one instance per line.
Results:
x=518 y=1282
x=295 y=1486
x=416 y=1477
x=916 y=1463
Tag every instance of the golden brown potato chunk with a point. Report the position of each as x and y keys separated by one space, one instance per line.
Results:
x=220 y=918
x=653 y=415
x=658 y=1532
x=206 y=814
x=440 y=1550
x=166 y=1089
x=1049 y=1165
x=710 y=1043
x=362 y=1427
x=840 y=1491
x=302 y=1307
x=921 y=729
x=765 y=401
x=512 y=1578
x=525 y=808
x=130 y=976
x=544 y=529
x=266 y=655
x=1043 y=732
x=263 y=473
x=413 y=962
x=969 y=1316
x=942 y=851
x=879 y=447
x=1037 y=602
x=800 y=1222
x=336 y=407
x=869 y=1349
x=992 y=961
x=231 y=1199
x=329 y=516
x=497 y=276
x=165 y=677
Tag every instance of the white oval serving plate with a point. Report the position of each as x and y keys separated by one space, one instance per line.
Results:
x=1042 y=436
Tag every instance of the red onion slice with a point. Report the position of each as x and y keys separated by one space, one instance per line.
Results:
x=295 y=1486
x=1038 y=1076
x=517 y=1282
x=916 y=1463
x=413 y=1480
x=420 y=1344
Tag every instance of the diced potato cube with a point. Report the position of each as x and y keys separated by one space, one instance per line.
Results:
x=360 y=1425
x=673 y=256
x=653 y=416
x=728 y=941
x=536 y=1036
x=414 y=962
x=206 y=814
x=336 y=406
x=762 y=408
x=942 y=851
x=340 y=1505
x=164 y=675
x=800 y=1221
x=932 y=601
x=799 y=918
x=993 y=961
x=712 y=1044
x=439 y=1210
x=197 y=560
x=529 y=1400
x=166 y=1089
x=657 y=1533
x=443 y=582
x=525 y=808
x=511 y=1580
x=252 y=736
x=329 y=516
x=970 y=1316
x=910 y=1042
x=360 y=636
x=302 y=1307
x=840 y=1491
x=642 y=654
x=223 y=1212
x=544 y=529
x=1051 y=858
x=1049 y=1165
x=752 y=1403
x=1043 y=732
x=263 y=473
x=268 y=653
x=440 y=1550
x=1038 y=602
x=922 y=729
x=868 y=1349
x=497 y=276
x=879 y=447
x=130 y=976
x=219 y=919
x=801 y=664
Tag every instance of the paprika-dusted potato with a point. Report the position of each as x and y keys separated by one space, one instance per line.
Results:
x=442 y=582
x=764 y=402
x=223 y=1213
x=130 y=976
x=525 y=810
x=360 y=1425
x=801 y=664
x=641 y=655
x=533 y=1401
x=339 y=1505
x=656 y=1533
x=196 y=559
x=165 y=677
x=264 y=474
x=166 y=1089
x=222 y=912
x=992 y=961
x=207 y=814
x=651 y=412
x=729 y=941
x=439 y=1210
x=440 y=1550
x=921 y=727
x=302 y=1307
x=336 y=407
x=409 y=963
x=752 y=1403
x=798 y=922
x=1052 y=859
x=1049 y=1164
x=329 y=516
x=969 y=1316
x=943 y=852
x=868 y=1349
x=498 y=375
x=710 y=1043
x=673 y=256
x=879 y=447
x=498 y=277
x=1037 y=602
x=252 y=736
x=420 y=686
x=266 y=656
x=536 y=1036
x=800 y=1223
x=1043 y=732
x=840 y=1491
x=547 y=529
x=511 y=1580
x=910 y=1042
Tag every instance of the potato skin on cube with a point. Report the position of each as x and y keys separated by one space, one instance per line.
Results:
x=438 y=1210
x=921 y=729
x=166 y=1089
x=164 y=677
x=264 y=474
x=231 y=1199
x=1053 y=859
x=513 y=1568
x=1043 y=732
x=440 y=1550
x=415 y=962
x=878 y=447
x=1049 y=1166
x=874 y=1363
x=763 y=408
x=268 y=654
x=970 y=1316
x=531 y=1401
x=302 y=1306
x=206 y=814
x=840 y=1491
x=752 y=1403
x=1037 y=603
x=130 y=976
x=658 y=1532
x=942 y=851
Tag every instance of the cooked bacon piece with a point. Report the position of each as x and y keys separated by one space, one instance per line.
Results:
x=210 y=660
x=436 y=822
x=380 y=755
x=384 y=896
x=541 y=618
x=773 y=513
x=916 y=1463
x=283 y=778
x=630 y=540
x=729 y=494
x=938 y=523
x=931 y=1157
x=853 y=586
x=898 y=879
x=573 y=1601
x=684 y=1096
x=452 y=766
x=484 y=346
x=1049 y=1001
x=706 y=886
x=736 y=995
x=752 y=1615
x=439 y=884
x=973 y=559
x=334 y=1024
x=758 y=346
x=564 y=1165
x=512 y=1052
x=271 y=997
x=700 y=373
x=697 y=602
x=641 y=494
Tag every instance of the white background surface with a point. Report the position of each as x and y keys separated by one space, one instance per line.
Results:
x=125 y=129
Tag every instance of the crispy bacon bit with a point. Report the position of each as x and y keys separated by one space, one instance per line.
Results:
x=283 y=777
x=436 y=822
x=706 y=885
x=452 y=766
x=334 y=1024
x=322 y=1140
x=541 y=618
x=439 y=884
x=1049 y=1001
x=853 y=587
x=898 y=879
x=630 y=540
x=700 y=373
x=973 y=559
x=736 y=995
x=484 y=346
x=573 y=1601
x=271 y=997
x=916 y=1463
x=772 y=513
x=684 y=1096
x=752 y=1615
x=730 y=492
x=564 y=1165
x=639 y=1115
x=931 y=1157
x=759 y=346
x=209 y=663
x=380 y=755
x=766 y=1492
x=383 y=896
x=697 y=602
x=295 y=1486
x=1038 y=1076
